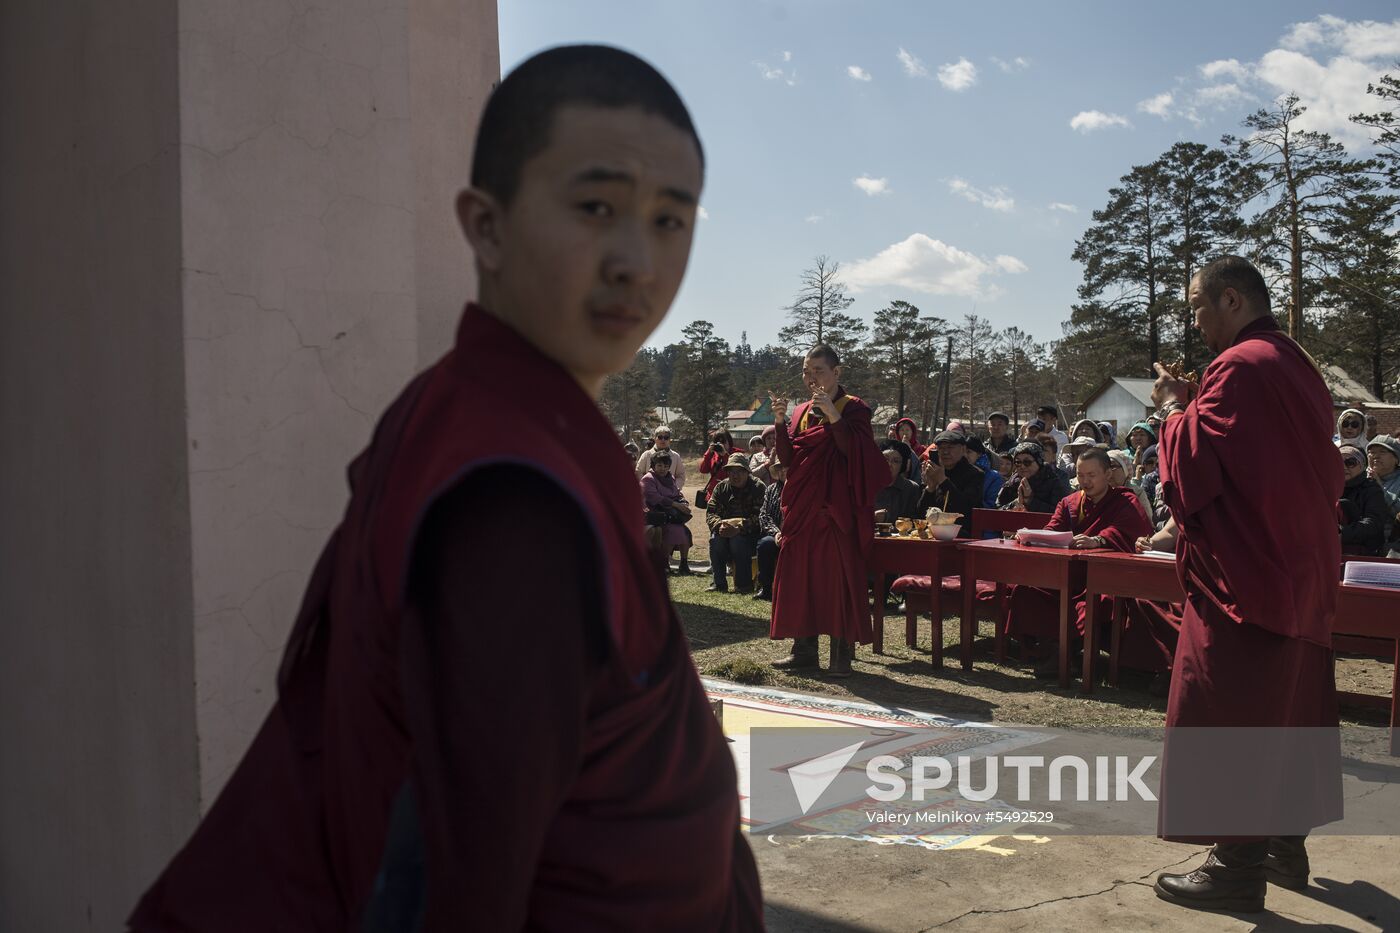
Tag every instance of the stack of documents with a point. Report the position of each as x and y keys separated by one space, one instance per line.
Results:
x=1037 y=538
x=1361 y=573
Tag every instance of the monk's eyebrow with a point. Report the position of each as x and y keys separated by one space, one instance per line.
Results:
x=599 y=174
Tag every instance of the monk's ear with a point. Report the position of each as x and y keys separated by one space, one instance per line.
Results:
x=482 y=219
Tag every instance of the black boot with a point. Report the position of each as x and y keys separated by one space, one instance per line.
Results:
x=1286 y=865
x=842 y=652
x=803 y=657
x=762 y=593
x=1232 y=878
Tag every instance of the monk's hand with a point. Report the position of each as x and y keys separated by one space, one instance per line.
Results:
x=828 y=408
x=780 y=408
x=778 y=538
x=933 y=474
x=1142 y=544
x=1086 y=542
x=1168 y=389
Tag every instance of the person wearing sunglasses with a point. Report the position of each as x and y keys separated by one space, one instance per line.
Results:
x=1035 y=485
x=1364 y=517
x=1351 y=429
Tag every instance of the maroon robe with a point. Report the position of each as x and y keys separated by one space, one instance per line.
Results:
x=1257 y=554
x=1118 y=518
x=642 y=828
x=834 y=472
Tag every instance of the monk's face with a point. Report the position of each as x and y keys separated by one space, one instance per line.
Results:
x=1093 y=478
x=1383 y=462
x=818 y=375
x=1218 y=320
x=585 y=260
x=895 y=462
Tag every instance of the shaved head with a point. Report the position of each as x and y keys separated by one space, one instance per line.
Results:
x=520 y=112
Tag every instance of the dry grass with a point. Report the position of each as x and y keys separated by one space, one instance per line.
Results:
x=729 y=639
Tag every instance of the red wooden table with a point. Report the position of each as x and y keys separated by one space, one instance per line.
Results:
x=1004 y=561
x=1120 y=576
x=898 y=556
x=1373 y=612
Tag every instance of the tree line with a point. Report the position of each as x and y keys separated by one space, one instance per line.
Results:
x=1320 y=222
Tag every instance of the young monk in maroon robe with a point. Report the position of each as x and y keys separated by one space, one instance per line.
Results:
x=834 y=472
x=1101 y=516
x=1258 y=556
x=440 y=758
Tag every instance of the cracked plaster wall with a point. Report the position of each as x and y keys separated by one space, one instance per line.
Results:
x=226 y=242
x=321 y=147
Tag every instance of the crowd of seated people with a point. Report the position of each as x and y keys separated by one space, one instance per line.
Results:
x=1100 y=483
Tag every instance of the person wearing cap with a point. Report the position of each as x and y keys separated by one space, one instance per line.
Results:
x=834 y=472
x=661 y=443
x=1365 y=517
x=1051 y=416
x=951 y=484
x=1031 y=430
x=732 y=516
x=758 y=459
x=760 y=469
x=1070 y=452
x=1383 y=453
x=999 y=438
x=1037 y=486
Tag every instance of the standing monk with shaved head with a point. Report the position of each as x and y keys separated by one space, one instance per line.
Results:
x=834 y=473
x=435 y=760
x=1252 y=761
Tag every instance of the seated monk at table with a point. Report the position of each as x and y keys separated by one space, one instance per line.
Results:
x=1100 y=516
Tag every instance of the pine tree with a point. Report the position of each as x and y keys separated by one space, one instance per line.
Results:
x=973 y=371
x=1303 y=177
x=892 y=352
x=1127 y=262
x=701 y=386
x=817 y=313
x=1362 y=288
x=1386 y=125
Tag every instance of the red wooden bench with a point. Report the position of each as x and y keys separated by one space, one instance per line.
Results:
x=917 y=590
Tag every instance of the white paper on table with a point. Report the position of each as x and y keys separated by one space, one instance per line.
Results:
x=1039 y=538
x=1365 y=573
x=1160 y=555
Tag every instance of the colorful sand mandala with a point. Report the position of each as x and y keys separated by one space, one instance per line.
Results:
x=940 y=821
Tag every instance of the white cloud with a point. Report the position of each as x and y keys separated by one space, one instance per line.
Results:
x=1062 y=206
x=857 y=72
x=872 y=186
x=957 y=76
x=1365 y=40
x=1229 y=68
x=1222 y=95
x=996 y=199
x=1086 y=121
x=814 y=218
x=1331 y=92
x=923 y=264
x=786 y=75
x=912 y=66
x=1018 y=63
x=1159 y=105
x=702 y=213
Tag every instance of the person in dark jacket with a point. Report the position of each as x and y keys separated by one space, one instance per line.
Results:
x=732 y=517
x=1365 y=518
x=900 y=499
x=951 y=484
x=770 y=528
x=1037 y=486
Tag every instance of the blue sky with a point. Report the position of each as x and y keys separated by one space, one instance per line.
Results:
x=947 y=154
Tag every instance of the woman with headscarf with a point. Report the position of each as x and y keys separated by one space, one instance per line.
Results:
x=1109 y=433
x=1351 y=429
x=1120 y=469
x=1141 y=436
x=1037 y=486
x=907 y=433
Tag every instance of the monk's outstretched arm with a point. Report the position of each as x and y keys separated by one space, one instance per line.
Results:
x=468 y=708
x=783 y=441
